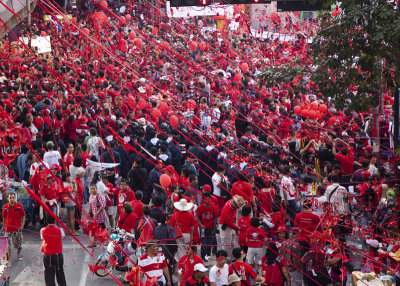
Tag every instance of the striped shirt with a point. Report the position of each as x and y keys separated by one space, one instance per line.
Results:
x=152 y=266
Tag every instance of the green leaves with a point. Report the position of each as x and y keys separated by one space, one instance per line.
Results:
x=360 y=47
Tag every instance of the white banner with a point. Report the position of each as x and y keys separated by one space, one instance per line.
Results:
x=43 y=44
x=102 y=165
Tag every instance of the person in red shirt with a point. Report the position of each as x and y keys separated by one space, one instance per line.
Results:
x=242 y=269
x=128 y=218
x=244 y=223
x=125 y=194
x=227 y=222
x=184 y=223
x=84 y=155
x=243 y=188
x=255 y=241
x=13 y=224
x=137 y=204
x=307 y=222
x=68 y=157
x=345 y=158
x=48 y=193
x=206 y=216
x=53 y=260
x=144 y=228
x=273 y=267
x=199 y=277
x=186 y=264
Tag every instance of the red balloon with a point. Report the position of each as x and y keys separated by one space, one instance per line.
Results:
x=238 y=77
x=165 y=45
x=43 y=33
x=138 y=42
x=141 y=103
x=319 y=115
x=131 y=100
x=122 y=20
x=128 y=17
x=165 y=180
x=297 y=109
x=132 y=35
x=193 y=46
x=154 y=31
x=312 y=114
x=156 y=113
x=202 y=46
x=192 y=104
x=244 y=67
x=173 y=120
x=314 y=105
x=163 y=107
x=304 y=113
x=323 y=108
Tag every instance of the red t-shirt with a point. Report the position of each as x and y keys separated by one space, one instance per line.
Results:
x=207 y=215
x=228 y=216
x=184 y=219
x=266 y=196
x=124 y=196
x=346 y=162
x=255 y=236
x=68 y=160
x=307 y=223
x=272 y=273
x=12 y=216
x=244 y=270
x=137 y=207
x=52 y=239
x=79 y=189
x=243 y=223
x=85 y=156
x=128 y=224
x=243 y=189
x=48 y=192
x=186 y=265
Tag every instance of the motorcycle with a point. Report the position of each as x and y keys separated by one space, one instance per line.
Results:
x=118 y=248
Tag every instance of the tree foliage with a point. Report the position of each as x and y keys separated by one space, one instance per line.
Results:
x=357 y=53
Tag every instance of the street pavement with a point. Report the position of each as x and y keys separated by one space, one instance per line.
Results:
x=29 y=271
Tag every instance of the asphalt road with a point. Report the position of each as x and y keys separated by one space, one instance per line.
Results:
x=29 y=271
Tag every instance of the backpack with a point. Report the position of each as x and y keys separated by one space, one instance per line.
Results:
x=145 y=231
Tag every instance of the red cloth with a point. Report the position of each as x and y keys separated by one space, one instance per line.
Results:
x=244 y=270
x=243 y=189
x=85 y=156
x=184 y=219
x=307 y=223
x=124 y=196
x=243 y=223
x=137 y=207
x=273 y=274
x=207 y=215
x=128 y=223
x=255 y=236
x=266 y=196
x=79 y=189
x=146 y=226
x=228 y=216
x=68 y=160
x=52 y=239
x=12 y=216
x=186 y=265
x=346 y=162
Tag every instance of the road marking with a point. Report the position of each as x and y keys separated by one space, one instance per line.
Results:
x=85 y=272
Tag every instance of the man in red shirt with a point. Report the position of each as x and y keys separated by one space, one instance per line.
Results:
x=13 y=224
x=125 y=194
x=137 y=204
x=206 y=216
x=186 y=264
x=68 y=157
x=53 y=260
x=227 y=222
x=345 y=158
x=242 y=269
x=307 y=222
x=243 y=188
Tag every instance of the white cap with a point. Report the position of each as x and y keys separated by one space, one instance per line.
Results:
x=200 y=267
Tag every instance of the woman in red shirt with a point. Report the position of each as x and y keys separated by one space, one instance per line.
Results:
x=273 y=267
x=127 y=219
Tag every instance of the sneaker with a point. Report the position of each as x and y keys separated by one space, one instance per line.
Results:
x=19 y=258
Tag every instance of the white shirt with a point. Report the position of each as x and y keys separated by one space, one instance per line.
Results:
x=51 y=158
x=337 y=199
x=288 y=187
x=219 y=276
x=215 y=180
x=101 y=188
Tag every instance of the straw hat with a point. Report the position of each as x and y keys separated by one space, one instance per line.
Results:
x=183 y=205
x=239 y=201
x=395 y=256
x=233 y=278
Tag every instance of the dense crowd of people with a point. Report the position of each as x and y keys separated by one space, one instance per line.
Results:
x=160 y=127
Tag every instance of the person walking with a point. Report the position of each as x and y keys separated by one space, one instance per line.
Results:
x=52 y=248
x=13 y=224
